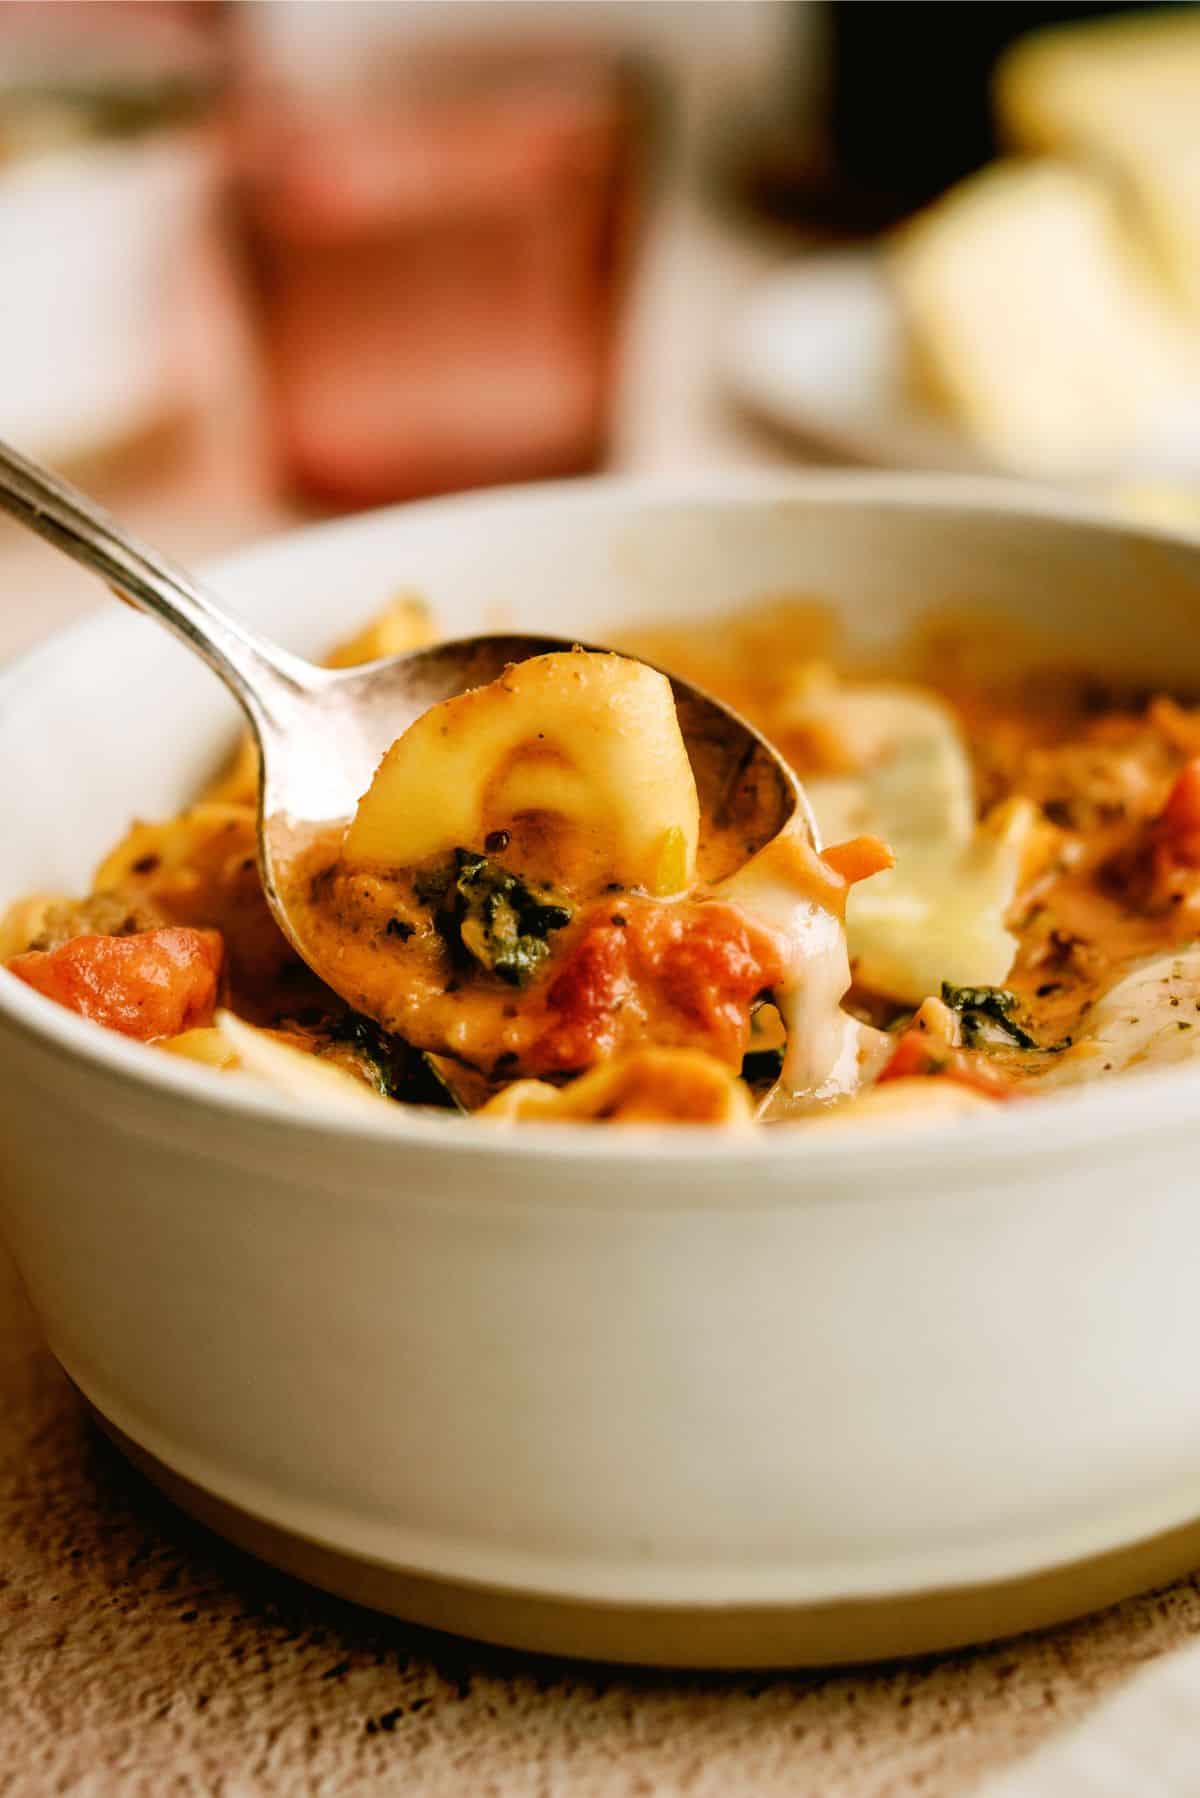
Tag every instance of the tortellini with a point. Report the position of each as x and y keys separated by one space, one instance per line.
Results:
x=682 y=1086
x=403 y=624
x=191 y=850
x=25 y=919
x=905 y=1102
x=589 y=741
x=234 y=1046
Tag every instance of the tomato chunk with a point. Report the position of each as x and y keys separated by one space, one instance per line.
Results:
x=153 y=983
x=915 y=1054
x=678 y=975
x=1177 y=829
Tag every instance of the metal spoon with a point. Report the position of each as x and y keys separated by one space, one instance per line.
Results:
x=321 y=732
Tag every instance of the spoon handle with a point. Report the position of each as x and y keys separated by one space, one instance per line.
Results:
x=264 y=679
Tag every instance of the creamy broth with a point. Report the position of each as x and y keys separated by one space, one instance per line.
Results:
x=606 y=933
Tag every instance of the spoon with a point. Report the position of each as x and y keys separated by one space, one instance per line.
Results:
x=321 y=732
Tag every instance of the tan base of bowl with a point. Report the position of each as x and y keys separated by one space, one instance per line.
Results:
x=693 y=1636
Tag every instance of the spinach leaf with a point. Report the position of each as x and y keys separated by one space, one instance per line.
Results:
x=397 y=1070
x=986 y=1012
x=491 y=916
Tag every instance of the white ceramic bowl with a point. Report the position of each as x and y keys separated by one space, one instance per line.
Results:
x=650 y=1394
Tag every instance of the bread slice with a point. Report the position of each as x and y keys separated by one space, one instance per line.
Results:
x=1033 y=321
x=1122 y=94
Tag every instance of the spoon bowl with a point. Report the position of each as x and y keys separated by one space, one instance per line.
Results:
x=321 y=732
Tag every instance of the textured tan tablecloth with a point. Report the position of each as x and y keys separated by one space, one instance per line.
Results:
x=138 y=1655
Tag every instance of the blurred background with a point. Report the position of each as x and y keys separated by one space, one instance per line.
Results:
x=273 y=259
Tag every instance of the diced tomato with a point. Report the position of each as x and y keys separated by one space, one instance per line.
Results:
x=153 y=983
x=710 y=967
x=587 y=997
x=917 y=1054
x=1177 y=828
x=671 y=974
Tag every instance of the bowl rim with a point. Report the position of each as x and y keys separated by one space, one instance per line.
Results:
x=1126 y=1111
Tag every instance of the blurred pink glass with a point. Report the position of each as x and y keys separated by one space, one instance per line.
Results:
x=439 y=260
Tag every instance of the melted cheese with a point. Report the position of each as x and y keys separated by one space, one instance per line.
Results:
x=828 y=1053
x=939 y=913
x=939 y=916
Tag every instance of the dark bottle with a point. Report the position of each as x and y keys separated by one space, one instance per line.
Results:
x=908 y=93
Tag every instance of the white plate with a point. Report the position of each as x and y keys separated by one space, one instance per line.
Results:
x=819 y=351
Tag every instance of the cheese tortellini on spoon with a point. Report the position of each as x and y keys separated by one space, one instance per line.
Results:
x=582 y=738
x=518 y=811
